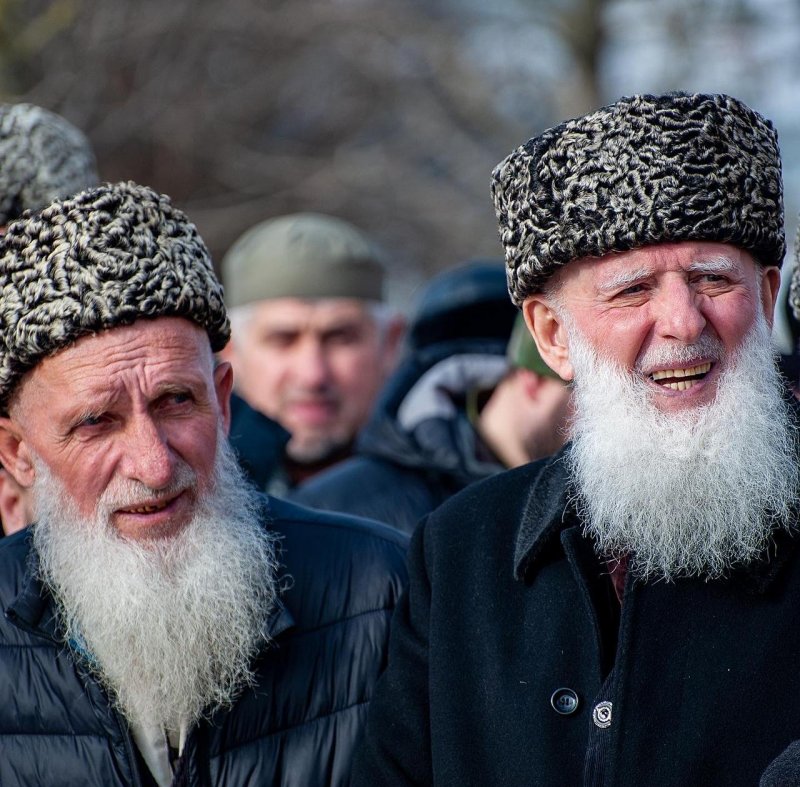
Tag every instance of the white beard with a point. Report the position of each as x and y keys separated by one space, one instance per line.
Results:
x=690 y=493
x=171 y=626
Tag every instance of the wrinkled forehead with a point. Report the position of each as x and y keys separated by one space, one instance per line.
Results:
x=154 y=350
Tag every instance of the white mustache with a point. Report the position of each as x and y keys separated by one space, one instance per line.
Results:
x=129 y=493
x=707 y=348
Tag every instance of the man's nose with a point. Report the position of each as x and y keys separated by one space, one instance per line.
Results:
x=148 y=457
x=679 y=313
x=312 y=367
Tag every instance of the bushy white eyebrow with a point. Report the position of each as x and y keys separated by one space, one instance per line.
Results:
x=719 y=264
x=624 y=279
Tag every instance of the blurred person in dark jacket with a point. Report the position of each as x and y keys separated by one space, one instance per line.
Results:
x=626 y=612
x=312 y=339
x=163 y=622
x=43 y=157
x=464 y=404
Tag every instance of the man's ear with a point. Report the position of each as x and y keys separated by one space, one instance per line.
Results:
x=549 y=333
x=227 y=353
x=392 y=340
x=15 y=454
x=770 y=284
x=223 y=385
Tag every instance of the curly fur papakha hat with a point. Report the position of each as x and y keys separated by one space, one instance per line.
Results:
x=645 y=170
x=104 y=258
x=42 y=158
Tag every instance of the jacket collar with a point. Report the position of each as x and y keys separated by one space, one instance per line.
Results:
x=33 y=608
x=279 y=620
x=543 y=516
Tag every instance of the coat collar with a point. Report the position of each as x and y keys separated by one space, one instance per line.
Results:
x=33 y=609
x=543 y=514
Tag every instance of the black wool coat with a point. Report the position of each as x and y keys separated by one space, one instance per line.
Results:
x=296 y=727
x=503 y=671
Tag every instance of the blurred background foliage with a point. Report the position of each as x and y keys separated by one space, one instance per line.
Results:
x=389 y=113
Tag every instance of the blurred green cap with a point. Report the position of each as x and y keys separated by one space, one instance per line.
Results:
x=523 y=353
x=304 y=255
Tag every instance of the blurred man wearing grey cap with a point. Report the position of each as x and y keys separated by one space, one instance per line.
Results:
x=162 y=622
x=313 y=339
x=465 y=403
x=626 y=612
x=43 y=157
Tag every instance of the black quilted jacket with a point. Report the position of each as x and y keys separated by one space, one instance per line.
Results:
x=296 y=728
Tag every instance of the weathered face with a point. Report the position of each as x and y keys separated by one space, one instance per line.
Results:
x=315 y=366
x=131 y=408
x=644 y=308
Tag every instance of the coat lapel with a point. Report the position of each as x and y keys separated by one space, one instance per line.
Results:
x=543 y=514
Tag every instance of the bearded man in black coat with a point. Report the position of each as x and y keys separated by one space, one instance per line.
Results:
x=628 y=611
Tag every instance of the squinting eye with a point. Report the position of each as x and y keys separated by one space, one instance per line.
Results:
x=91 y=421
x=178 y=399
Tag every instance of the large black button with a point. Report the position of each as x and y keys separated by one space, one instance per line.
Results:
x=564 y=701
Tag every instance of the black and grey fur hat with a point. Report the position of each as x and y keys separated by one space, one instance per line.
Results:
x=42 y=158
x=644 y=170
x=104 y=258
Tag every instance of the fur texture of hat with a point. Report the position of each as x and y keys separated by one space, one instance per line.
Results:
x=104 y=258
x=644 y=170
x=42 y=158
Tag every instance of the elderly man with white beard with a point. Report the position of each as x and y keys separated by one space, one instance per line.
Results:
x=626 y=612
x=163 y=622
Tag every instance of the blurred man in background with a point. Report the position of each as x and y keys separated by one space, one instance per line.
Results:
x=43 y=157
x=458 y=409
x=313 y=340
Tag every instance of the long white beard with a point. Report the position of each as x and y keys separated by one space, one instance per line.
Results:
x=690 y=493
x=171 y=627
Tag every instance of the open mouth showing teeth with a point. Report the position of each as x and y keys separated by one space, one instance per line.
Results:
x=681 y=379
x=150 y=509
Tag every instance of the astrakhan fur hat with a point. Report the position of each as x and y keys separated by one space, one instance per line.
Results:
x=104 y=258
x=42 y=158
x=645 y=170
